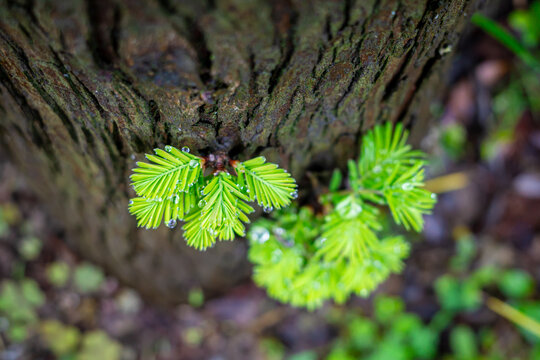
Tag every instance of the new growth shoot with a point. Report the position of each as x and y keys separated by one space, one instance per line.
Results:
x=304 y=259
x=173 y=186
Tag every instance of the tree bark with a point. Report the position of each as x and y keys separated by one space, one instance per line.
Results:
x=86 y=88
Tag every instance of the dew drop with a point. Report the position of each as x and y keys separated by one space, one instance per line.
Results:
x=294 y=194
x=268 y=209
x=193 y=163
x=434 y=196
x=260 y=234
x=130 y=202
x=185 y=149
x=168 y=148
x=279 y=231
x=407 y=186
x=171 y=223
x=201 y=203
x=263 y=158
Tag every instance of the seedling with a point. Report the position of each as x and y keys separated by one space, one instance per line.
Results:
x=173 y=186
x=303 y=258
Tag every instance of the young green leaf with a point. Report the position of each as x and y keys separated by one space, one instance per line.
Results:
x=196 y=236
x=269 y=185
x=167 y=173
x=225 y=207
x=344 y=254
x=335 y=181
x=407 y=200
x=150 y=212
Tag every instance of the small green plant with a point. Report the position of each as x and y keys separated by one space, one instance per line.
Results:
x=173 y=186
x=526 y=22
x=19 y=302
x=521 y=92
x=67 y=342
x=391 y=334
x=58 y=273
x=303 y=258
x=88 y=278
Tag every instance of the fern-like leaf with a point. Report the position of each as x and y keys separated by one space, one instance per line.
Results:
x=150 y=212
x=348 y=232
x=167 y=173
x=390 y=172
x=407 y=200
x=269 y=185
x=384 y=150
x=222 y=214
x=196 y=236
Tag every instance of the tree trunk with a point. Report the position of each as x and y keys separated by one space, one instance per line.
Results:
x=86 y=88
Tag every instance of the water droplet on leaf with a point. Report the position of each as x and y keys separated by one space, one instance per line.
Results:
x=171 y=224
x=193 y=163
x=260 y=234
x=407 y=186
x=279 y=231
x=294 y=194
x=201 y=203
x=185 y=149
x=168 y=148
x=268 y=209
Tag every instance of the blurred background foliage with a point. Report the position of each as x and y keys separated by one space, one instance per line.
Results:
x=468 y=292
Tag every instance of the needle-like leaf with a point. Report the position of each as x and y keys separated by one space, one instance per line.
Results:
x=168 y=172
x=269 y=185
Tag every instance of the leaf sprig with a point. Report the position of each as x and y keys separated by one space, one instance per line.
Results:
x=347 y=250
x=172 y=186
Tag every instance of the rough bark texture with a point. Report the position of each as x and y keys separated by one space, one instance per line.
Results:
x=86 y=88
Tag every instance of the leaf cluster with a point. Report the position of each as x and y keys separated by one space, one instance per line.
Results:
x=347 y=250
x=172 y=186
x=392 y=333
